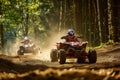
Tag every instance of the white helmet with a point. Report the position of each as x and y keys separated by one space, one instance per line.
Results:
x=26 y=38
x=70 y=31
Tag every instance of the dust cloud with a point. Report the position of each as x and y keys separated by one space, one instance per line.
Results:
x=50 y=44
x=11 y=47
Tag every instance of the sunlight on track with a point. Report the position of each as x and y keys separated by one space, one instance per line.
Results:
x=44 y=56
x=44 y=53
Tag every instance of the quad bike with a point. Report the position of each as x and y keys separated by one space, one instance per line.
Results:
x=27 y=48
x=73 y=50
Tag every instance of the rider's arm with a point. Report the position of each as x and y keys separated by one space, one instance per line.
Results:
x=76 y=39
x=64 y=37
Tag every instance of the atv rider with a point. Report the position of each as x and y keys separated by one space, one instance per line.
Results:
x=27 y=47
x=70 y=37
x=27 y=42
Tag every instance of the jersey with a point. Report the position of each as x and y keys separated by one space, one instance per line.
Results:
x=69 y=38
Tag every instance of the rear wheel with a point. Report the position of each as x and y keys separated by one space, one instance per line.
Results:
x=62 y=56
x=53 y=55
x=92 y=56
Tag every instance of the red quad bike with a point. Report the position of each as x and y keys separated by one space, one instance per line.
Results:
x=73 y=50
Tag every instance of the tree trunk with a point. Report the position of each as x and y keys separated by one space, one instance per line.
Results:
x=110 y=20
x=60 y=16
x=2 y=36
x=74 y=14
x=64 y=14
x=104 y=20
x=1 y=30
x=27 y=17
x=116 y=20
x=99 y=23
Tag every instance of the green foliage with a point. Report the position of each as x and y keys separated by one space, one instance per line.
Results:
x=110 y=42
x=16 y=11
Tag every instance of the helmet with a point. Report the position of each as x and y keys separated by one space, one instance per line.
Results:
x=70 y=31
x=26 y=38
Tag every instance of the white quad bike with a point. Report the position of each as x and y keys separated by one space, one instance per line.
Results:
x=27 y=48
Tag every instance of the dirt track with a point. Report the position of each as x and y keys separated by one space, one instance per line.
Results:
x=108 y=63
x=106 y=57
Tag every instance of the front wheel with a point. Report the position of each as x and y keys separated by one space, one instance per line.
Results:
x=53 y=55
x=62 y=56
x=92 y=56
x=20 y=52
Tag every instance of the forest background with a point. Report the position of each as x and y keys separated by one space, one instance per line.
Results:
x=98 y=21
